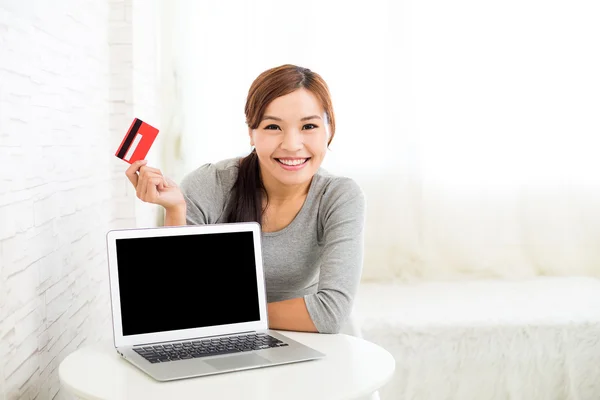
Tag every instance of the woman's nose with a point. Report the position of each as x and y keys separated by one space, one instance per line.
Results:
x=292 y=140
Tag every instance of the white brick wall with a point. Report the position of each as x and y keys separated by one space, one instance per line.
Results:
x=71 y=75
x=145 y=34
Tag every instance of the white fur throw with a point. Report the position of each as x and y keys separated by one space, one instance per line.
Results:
x=487 y=340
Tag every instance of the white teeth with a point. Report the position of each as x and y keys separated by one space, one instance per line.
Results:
x=292 y=162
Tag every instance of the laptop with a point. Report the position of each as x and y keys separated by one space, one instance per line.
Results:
x=189 y=301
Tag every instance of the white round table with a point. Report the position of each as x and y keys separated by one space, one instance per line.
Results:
x=353 y=368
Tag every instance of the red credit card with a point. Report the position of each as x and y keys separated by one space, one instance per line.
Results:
x=137 y=141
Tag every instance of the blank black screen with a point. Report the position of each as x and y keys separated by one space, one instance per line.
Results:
x=189 y=281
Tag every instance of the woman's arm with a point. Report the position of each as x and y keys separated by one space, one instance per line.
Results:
x=290 y=315
x=342 y=216
x=175 y=216
x=203 y=193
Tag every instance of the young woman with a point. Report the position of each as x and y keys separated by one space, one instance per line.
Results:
x=312 y=221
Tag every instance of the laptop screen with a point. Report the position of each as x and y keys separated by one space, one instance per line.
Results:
x=189 y=281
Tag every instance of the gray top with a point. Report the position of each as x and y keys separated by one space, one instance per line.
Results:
x=318 y=256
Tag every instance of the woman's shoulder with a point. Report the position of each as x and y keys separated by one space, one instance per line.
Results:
x=221 y=173
x=337 y=198
x=334 y=188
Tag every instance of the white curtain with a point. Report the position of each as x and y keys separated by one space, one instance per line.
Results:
x=473 y=127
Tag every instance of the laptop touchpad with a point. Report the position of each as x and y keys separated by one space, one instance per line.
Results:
x=235 y=362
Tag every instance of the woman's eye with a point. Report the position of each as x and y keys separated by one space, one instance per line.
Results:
x=309 y=126
x=271 y=127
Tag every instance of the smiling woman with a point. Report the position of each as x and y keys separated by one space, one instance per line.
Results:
x=312 y=221
x=291 y=122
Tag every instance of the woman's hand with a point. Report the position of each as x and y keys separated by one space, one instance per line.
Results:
x=152 y=187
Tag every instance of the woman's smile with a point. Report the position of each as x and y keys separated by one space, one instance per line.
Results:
x=292 y=164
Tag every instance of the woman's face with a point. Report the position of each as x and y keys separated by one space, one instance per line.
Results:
x=291 y=140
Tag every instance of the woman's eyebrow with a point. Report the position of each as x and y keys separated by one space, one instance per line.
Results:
x=302 y=119
x=271 y=117
x=311 y=117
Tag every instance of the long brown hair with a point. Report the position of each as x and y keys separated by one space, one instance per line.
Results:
x=246 y=196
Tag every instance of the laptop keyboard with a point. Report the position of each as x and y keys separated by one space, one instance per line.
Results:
x=208 y=347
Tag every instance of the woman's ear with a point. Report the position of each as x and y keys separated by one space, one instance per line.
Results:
x=251 y=136
x=327 y=126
